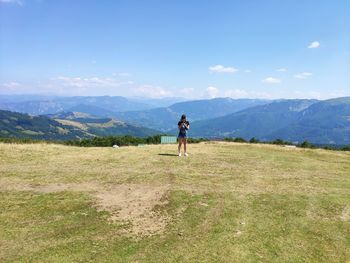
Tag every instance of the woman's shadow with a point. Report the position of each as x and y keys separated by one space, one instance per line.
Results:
x=167 y=154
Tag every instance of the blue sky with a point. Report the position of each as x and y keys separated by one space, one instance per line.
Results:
x=192 y=48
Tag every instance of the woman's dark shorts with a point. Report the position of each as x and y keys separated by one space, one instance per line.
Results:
x=182 y=135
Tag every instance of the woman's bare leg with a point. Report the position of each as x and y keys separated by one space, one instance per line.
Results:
x=185 y=144
x=180 y=142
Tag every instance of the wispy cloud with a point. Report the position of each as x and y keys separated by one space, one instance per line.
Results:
x=314 y=44
x=212 y=92
x=80 y=82
x=79 y=85
x=247 y=71
x=11 y=87
x=151 y=91
x=124 y=74
x=281 y=70
x=236 y=93
x=12 y=84
x=19 y=2
x=303 y=75
x=271 y=80
x=222 y=69
x=186 y=91
x=243 y=94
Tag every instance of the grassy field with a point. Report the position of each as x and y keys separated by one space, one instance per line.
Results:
x=226 y=202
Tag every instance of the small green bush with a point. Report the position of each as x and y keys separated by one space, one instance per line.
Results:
x=306 y=144
x=237 y=139
x=346 y=148
x=254 y=140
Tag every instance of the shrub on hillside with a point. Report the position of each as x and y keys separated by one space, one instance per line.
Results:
x=306 y=144
x=196 y=140
x=27 y=141
x=346 y=148
x=254 y=140
x=281 y=142
x=237 y=139
x=127 y=140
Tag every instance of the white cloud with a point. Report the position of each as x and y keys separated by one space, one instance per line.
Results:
x=186 y=91
x=314 y=44
x=222 y=69
x=314 y=95
x=243 y=94
x=19 y=2
x=310 y=94
x=10 y=87
x=338 y=93
x=79 y=82
x=88 y=86
x=151 y=91
x=263 y=95
x=247 y=71
x=303 y=75
x=124 y=74
x=281 y=70
x=271 y=80
x=11 y=84
x=236 y=93
x=212 y=92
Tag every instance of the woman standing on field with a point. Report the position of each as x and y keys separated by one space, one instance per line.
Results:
x=183 y=125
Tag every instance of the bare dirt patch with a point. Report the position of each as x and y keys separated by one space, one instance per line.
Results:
x=136 y=204
x=133 y=204
x=345 y=215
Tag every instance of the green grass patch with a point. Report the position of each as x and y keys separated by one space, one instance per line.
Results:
x=227 y=202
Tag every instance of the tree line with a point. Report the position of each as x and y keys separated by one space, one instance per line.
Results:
x=127 y=140
x=304 y=144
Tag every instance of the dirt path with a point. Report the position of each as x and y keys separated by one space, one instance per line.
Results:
x=129 y=203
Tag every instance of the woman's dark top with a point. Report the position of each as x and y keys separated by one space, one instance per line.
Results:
x=183 y=128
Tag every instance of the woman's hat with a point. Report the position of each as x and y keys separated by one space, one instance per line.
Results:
x=183 y=116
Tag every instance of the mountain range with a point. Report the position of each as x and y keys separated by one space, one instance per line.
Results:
x=95 y=105
x=137 y=111
x=166 y=118
x=322 y=122
x=65 y=126
x=296 y=120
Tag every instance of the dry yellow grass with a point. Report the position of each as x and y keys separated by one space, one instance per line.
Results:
x=226 y=202
x=72 y=123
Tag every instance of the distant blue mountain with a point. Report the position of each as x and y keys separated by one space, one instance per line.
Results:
x=91 y=109
x=325 y=122
x=166 y=118
x=158 y=102
x=322 y=122
x=65 y=126
x=37 y=105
